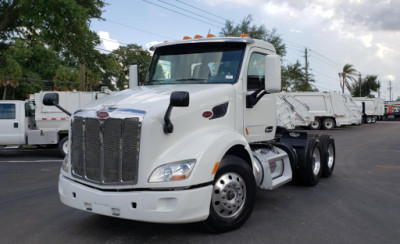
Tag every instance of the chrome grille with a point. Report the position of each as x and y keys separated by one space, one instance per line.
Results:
x=105 y=151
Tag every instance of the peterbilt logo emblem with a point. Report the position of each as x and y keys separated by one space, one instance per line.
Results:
x=102 y=114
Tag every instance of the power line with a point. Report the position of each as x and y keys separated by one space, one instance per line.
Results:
x=138 y=29
x=170 y=4
x=329 y=59
x=323 y=61
x=201 y=10
x=182 y=14
x=327 y=76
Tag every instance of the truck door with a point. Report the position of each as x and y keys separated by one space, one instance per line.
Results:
x=11 y=127
x=260 y=120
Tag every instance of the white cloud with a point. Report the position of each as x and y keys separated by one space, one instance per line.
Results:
x=106 y=42
x=295 y=31
x=383 y=51
x=367 y=40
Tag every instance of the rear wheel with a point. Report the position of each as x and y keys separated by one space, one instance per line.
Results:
x=328 y=155
x=312 y=168
x=368 y=120
x=373 y=119
x=316 y=124
x=233 y=196
x=328 y=124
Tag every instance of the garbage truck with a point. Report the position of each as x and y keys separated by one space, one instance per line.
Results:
x=194 y=143
x=27 y=124
x=330 y=109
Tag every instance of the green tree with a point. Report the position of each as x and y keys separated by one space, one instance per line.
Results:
x=129 y=55
x=62 y=24
x=257 y=32
x=66 y=79
x=347 y=76
x=294 y=78
x=38 y=64
x=111 y=69
x=369 y=84
x=8 y=72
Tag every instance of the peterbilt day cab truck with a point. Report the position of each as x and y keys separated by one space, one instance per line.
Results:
x=30 y=123
x=194 y=143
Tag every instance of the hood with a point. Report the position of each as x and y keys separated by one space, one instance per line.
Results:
x=156 y=98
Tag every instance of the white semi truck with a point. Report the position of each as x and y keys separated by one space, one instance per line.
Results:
x=30 y=123
x=194 y=143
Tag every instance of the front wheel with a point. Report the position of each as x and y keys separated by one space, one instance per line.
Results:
x=63 y=146
x=233 y=196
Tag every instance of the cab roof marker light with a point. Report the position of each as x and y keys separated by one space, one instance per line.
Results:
x=197 y=36
x=243 y=35
x=186 y=38
x=209 y=35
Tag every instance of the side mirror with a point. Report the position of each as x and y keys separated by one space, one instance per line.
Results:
x=272 y=73
x=50 y=99
x=177 y=99
x=133 y=76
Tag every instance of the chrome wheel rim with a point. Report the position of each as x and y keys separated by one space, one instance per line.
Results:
x=329 y=124
x=316 y=161
x=331 y=156
x=229 y=194
x=65 y=147
x=314 y=124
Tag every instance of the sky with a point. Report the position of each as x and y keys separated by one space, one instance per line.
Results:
x=364 y=33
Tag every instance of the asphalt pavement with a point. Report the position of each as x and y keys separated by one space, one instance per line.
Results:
x=360 y=203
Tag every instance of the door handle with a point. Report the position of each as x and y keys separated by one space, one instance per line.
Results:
x=16 y=125
x=269 y=129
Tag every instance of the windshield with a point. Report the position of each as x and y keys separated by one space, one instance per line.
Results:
x=196 y=63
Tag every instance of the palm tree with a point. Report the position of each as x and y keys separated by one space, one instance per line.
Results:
x=347 y=75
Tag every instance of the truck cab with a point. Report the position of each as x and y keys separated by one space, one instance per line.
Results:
x=193 y=143
x=16 y=117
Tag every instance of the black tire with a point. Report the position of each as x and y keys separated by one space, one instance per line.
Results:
x=328 y=151
x=368 y=120
x=233 y=196
x=373 y=119
x=311 y=170
x=328 y=124
x=315 y=125
x=63 y=146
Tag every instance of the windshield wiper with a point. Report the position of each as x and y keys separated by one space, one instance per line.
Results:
x=198 y=80
x=158 y=82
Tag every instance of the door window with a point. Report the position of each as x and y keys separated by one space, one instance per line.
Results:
x=256 y=72
x=7 y=111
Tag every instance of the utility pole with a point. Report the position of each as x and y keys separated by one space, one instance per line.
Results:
x=379 y=89
x=359 y=79
x=306 y=64
x=390 y=90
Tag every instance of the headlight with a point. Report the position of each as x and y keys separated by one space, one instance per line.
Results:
x=173 y=171
x=65 y=164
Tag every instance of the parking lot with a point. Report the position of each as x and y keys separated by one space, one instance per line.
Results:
x=360 y=203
